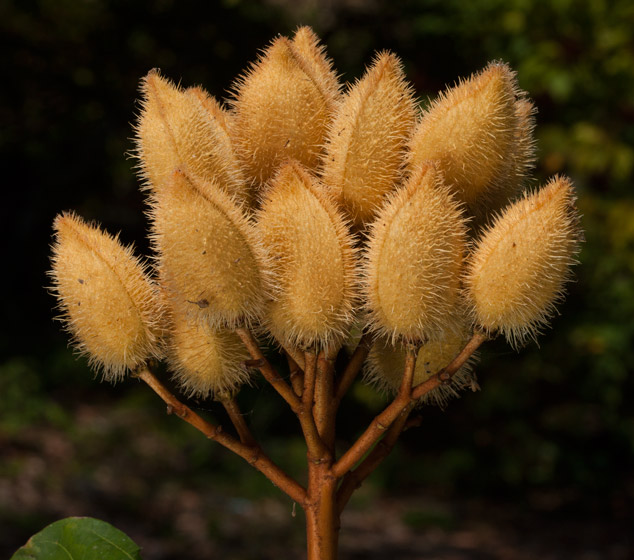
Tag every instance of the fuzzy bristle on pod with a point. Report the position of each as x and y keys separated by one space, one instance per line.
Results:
x=386 y=364
x=480 y=132
x=518 y=270
x=209 y=256
x=315 y=264
x=365 y=147
x=109 y=304
x=308 y=49
x=207 y=361
x=283 y=105
x=414 y=260
x=185 y=128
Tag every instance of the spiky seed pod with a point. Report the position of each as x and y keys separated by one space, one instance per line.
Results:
x=386 y=364
x=318 y=66
x=518 y=270
x=365 y=147
x=315 y=265
x=185 y=128
x=414 y=260
x=109 y=304
x=521 y=168
x=224 y=165
x=207 y=250
x=283 y=105
x=206 y=361
x=524 y=163
x=480 y=131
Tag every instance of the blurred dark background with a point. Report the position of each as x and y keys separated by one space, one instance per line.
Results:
x=539 y=462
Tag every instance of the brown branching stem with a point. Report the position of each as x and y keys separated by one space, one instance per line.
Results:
x=253 y=363
x=296 y=375
x=296 y=355
x=315 y=402
x=310 y=378
x=403 y=401
x=267 y=370
x=354 y=478
x=382 y=422
x=354 y=366
x=444 y=375
x=253 y=454
x=380 y=451
x=317 y=450
x=238 y=421
x=324 y=407
x=322 y=518
x=301 y=407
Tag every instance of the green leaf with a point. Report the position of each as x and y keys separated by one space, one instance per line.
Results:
x=79 y=538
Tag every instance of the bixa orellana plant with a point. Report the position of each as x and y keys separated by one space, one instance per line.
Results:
x=322 y=218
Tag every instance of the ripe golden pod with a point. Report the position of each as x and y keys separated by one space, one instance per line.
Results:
x=185 y=128
x=518 y=270
x=414 y=260
x=386 y=364
x=524 y=155
x=314 y=59
x=480 y=132
x=109 y=304
x=206 y=361
x=365 y=148
x=208 y=253
x=314 y=270
x=283 y=105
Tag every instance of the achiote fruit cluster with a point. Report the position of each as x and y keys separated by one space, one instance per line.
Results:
x=309 y=211
x=320 y=216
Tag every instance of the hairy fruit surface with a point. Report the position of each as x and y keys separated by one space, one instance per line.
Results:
x=310 y=211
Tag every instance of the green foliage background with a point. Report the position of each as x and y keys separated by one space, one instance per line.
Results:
x=552 y=425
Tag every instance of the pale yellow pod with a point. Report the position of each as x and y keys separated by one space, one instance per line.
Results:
x=521 y=168
x=208 y=253
x=365 y=148
x=314 y=59
x=480 y=132
x=315 y=265
x=206 y=361
x=386 y=364
x=414 y=260
x=518 y=270
x=526 y=146
x=283 y=105
x=109 y=304
x=185 y=128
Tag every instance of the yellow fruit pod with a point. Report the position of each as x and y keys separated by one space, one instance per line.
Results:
x=209 y=256
x=517 y=272
x=414 y=260
x=283 y=105
x=480 y=132
x=312 y=54
x=386 y=364
x=314 y=260
x=206 y=361
x=365 y=148
x=109 y=304
x=185 y=128
x=497 y=199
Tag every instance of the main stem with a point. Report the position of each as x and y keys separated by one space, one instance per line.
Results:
x=314 y=397
x=322 y=517
x=315 y=404
x=252 y=453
